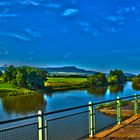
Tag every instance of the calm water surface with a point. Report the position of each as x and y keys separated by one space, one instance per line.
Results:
x=19 y=106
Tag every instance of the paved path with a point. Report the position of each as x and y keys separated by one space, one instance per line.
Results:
x=129 y=129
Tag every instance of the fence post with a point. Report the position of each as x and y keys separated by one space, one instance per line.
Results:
x=90 y=119
x=40 y=126
x=118 y=110
x=94 y=120
x=135 y=104
x=46 y=130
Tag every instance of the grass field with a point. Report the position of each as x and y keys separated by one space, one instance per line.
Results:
x=66 y=80
x=65 y=83
x=6 y=86
x=7 y=90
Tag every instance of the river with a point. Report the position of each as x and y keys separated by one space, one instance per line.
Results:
x=19 y=106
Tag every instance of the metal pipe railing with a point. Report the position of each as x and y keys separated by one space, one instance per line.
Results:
x=91 y=107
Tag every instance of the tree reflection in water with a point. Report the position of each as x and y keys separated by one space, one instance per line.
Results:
x=24 y=104
x=97 y=90
x=116 y=88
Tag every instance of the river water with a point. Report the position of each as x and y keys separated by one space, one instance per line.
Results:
x=19 y=106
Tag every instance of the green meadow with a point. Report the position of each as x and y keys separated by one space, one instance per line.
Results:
x=66 y=80
x=65 y=83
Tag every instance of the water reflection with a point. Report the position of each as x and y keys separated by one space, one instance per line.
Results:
x=116 y=88
x=97 y=90
x=135 y=87
x=23 y=104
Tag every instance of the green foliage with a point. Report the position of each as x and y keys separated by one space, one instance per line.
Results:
x=1 y=73
x=113 y=105
x=65 y=83
x=6 y=86
x=136 y=82
x=9 y=74
x=98 y=79
x=66 y=80
x=25 y=77
x=116 y=77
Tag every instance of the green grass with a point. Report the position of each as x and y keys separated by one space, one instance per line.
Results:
x=6 y=86
x=8 y=90
x=66 y=83
x=66 y=80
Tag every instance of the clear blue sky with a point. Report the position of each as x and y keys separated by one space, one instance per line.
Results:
x=93 y=34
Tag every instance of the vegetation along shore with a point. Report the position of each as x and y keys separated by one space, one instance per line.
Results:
x=29 y=80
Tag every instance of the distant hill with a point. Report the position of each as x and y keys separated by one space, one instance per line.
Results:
x=70 y=70
x=130 y=75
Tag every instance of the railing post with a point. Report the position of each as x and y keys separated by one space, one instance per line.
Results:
x=118 y=110
x=40 y=126
x=90 y=119
x=94 y=120
x=135 y=104
x=46 y=130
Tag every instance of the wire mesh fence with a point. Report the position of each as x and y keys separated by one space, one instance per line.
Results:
x=72 y=123
x=72 y=126
x=19 y=130
x=105 y=116
x=23 y=132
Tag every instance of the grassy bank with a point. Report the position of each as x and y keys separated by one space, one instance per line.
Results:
x=66 y=83
x=8 y=90
x=127 y=108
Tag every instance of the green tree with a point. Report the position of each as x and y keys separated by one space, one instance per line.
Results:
x=136 y=82
x=98 y=79
x=1 y=73
x=116 y=77
x=9 y=74
x=25 y=77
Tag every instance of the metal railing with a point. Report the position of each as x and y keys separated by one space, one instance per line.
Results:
x=72 y=123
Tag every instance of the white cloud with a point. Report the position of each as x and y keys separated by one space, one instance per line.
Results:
x=4 y=3
x=6 y=13
x=85 y=25
x=3 y=51
x=70 y=11
x=53 y=5
x=67 y=54
x=18 y=36
x=112 y=18
x=31 y=52
x=29 y=2
x=34 y=32
x=111 y=29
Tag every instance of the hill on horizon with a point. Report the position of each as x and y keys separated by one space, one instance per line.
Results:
x=68 y=70
x=71 y=70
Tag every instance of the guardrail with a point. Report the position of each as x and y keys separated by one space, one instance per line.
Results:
x=72 y=123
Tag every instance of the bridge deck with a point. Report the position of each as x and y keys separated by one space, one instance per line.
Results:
x=129 y=129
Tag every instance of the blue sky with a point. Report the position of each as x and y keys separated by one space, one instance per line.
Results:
x=92 y=34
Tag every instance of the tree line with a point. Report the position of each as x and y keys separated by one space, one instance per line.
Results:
x=114 y=77
x=25 y=77
x=34 y=79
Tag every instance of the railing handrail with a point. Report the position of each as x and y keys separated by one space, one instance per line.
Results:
x=64 y=110
x=96 y=103
x=18 y=119
x=67 y=109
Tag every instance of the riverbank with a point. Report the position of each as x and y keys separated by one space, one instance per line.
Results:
x=8 y=90
x=56 y=84
x=127 y=108
x=52 y=84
